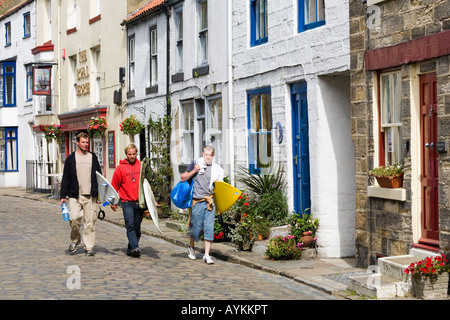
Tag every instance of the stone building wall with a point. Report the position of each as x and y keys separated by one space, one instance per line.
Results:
x=384 y=226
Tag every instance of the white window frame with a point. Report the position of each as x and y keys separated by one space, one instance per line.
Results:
x=97 y=148
x=96 y=53
x=74 y=14
x=95 y=8
x=202 y=32
x=214 y=126
x=131 y=61
x=179 y=39
x=391 y=115
x=187 y=131
x=153 y=56
x=73 y=63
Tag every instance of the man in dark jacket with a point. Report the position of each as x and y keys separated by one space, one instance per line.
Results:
x=79 y=186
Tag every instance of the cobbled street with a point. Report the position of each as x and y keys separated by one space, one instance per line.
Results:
x=35 y=264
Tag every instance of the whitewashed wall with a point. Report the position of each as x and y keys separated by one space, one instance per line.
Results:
x=321 y=58
x=22 y=115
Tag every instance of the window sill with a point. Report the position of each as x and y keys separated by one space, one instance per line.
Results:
x=311 y=26
x=94 y=19
x=178 y=77
x=151 y=89
x=130 y=94
x=200 y=71
x=398 y=194
x=72 y=30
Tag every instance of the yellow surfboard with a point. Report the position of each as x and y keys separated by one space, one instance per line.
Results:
x=225 y=195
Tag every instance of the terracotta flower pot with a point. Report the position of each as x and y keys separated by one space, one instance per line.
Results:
x=307 y=238
x=392 y=183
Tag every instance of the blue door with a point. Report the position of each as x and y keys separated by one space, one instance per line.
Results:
x=300 y=149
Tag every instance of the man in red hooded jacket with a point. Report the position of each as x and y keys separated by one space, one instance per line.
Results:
x=126 y=182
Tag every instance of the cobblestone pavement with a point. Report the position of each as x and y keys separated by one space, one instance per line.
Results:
x=35 y=264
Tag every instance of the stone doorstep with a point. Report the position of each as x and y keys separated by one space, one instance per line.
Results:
x=388 y=280
x=377 y=285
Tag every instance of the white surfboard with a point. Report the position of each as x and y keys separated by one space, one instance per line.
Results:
x=107 y=194
x=151 y=203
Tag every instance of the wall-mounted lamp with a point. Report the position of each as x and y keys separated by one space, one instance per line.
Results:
x=121 y=74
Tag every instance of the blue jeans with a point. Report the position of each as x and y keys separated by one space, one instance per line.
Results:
x=202 y=220
x=132 y=215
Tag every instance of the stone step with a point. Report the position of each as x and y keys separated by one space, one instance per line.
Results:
x=388 y=279
x=378 y=285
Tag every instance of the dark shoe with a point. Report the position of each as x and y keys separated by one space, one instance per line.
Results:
x=89 y=253
x=135 y=253
x=73 y=246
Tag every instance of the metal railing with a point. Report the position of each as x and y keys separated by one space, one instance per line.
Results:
x=41 y=177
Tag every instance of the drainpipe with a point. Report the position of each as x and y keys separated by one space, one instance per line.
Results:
x=167 y=12
x=230 y=91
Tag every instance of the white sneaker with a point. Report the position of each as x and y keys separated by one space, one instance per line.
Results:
x=208 y=259
x=191 y=253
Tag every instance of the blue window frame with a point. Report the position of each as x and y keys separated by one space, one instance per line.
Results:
x=258 y=22
x=8 y=149
x=259 y=115
x=26 y=25
x=29 y=69
x=311 y=14
x=7 y=34
x=8 y=84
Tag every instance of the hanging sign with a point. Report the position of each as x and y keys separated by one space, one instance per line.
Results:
x=42 y=80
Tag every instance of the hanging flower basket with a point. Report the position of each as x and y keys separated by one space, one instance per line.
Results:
x=131 y=126
x=52 y=131
x=97 y=126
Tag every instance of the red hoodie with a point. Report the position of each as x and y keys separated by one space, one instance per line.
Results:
x=123 y=182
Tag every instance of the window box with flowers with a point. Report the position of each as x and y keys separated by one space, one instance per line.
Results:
x=389 y=176
x=430 y=277
x=390 y=182
x=52 y=131
x=131 y=126
x=97 y=126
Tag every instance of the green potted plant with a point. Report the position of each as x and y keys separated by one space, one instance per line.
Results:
x=304 y=226
x=430 y=277
x=240 y=236
x=389 y=176
x=284 y=248
x=262 y=227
